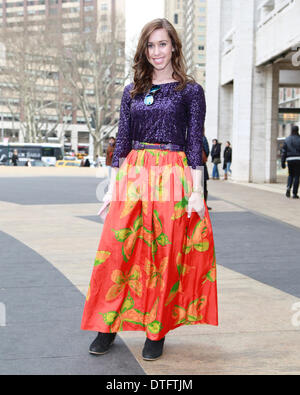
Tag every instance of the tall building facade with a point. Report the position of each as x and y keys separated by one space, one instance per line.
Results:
x=189 y=19
x=251 y=53
x=63 y=19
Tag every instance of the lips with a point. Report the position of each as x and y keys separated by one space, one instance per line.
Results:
x=158 y=60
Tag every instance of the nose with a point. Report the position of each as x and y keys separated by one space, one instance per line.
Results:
x=156 y=50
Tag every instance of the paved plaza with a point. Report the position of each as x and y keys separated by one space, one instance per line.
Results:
x=49 y=233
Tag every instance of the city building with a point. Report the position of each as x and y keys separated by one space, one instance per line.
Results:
x=253 y=50
x=63 y=19
x=189 y=19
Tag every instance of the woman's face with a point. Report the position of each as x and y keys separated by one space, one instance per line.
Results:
x=159 y=49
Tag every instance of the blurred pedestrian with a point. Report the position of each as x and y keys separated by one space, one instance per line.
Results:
x=205 y=154
x=290 y=153
x=15 y=158
x=82 y=162
x=216 y=158
x=227 y=160
x=87 y=163
x=109 y=153
x=97 y=161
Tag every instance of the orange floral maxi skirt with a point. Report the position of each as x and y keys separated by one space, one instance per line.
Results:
x=155 y=268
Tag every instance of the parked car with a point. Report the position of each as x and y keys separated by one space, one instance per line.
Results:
x=39 y=163
x=67 y=163
x=70 y=158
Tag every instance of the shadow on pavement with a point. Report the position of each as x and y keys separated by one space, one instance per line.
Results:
x=43 y=315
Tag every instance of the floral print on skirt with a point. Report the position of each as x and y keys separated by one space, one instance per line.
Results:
x=155 y=268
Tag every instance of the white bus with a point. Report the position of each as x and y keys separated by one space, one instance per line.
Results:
x=46 y=152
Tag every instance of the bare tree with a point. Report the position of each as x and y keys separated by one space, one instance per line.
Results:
x=32 y=83
x=93 y=66
x=58 y=75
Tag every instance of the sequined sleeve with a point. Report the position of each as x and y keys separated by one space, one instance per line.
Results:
x=195 y=125
x=124 y=139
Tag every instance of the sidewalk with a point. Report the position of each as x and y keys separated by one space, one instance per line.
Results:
x=49 y=235
x=265 y=199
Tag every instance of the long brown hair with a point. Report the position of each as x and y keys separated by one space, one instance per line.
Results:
x=143 y=70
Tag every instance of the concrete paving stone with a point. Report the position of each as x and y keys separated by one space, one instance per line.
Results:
x=264 y=248
x=226 y=354
x=42 y=333
x=51 y=190
x=254 y=199
x=255 y=335
x=218 y=205
x=94 y=218
x=51 y=171
x=52 y=304
x=82 y=363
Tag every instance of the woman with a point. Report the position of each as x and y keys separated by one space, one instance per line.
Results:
x=155 y=267
x=215 y=158
x=227 y=159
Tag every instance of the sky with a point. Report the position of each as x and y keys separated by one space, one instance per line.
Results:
x=138 y=13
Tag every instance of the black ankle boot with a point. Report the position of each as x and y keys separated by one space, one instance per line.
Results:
x=102 y=343
x=153 y=349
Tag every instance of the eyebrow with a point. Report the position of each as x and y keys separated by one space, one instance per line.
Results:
x=150 y=42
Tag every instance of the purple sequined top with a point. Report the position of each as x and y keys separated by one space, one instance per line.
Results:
x=174 y=117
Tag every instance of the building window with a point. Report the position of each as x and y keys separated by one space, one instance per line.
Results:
x=176 y=19
x=89 y=8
